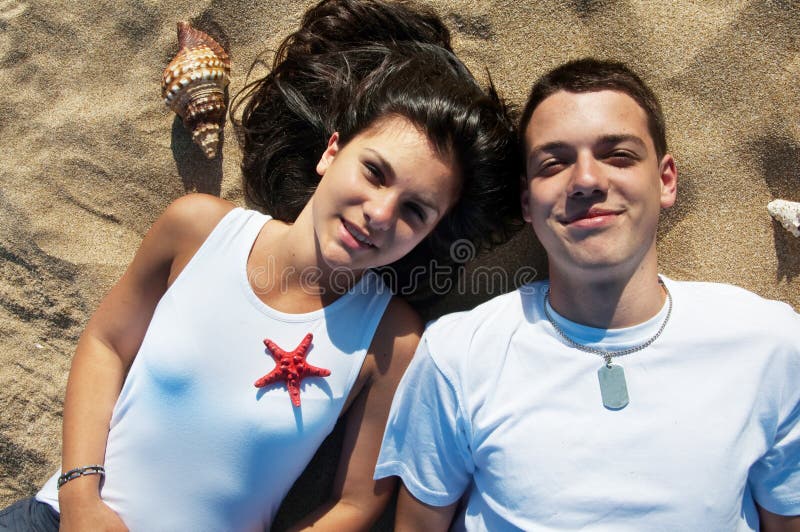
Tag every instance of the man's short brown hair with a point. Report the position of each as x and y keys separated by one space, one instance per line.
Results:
x=592 y=75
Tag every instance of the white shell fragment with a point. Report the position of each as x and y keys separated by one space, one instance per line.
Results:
x=787 y=213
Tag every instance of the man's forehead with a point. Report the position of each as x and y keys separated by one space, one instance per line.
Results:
x=565 y=116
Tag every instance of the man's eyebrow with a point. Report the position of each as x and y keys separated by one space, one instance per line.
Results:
x=546 y=147
x=549 y=146
x=618 y=139
x=604 y=140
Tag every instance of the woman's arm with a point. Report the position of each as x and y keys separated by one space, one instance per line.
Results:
x=771 y=522
x=358 y=500
x=414 y=515
x=109 y=344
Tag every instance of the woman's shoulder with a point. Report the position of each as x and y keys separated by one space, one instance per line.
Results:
x=187 y=221
x=401 y=320
x=196 y=214
x=182 y=228
x=397 y=335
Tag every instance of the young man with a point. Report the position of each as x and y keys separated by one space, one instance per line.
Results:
x=609 y=397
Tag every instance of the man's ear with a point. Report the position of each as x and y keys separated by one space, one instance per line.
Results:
x=329 y=154
x=669 y=181
x=525 y=198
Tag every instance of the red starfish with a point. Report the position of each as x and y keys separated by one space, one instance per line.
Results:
x=291 y=367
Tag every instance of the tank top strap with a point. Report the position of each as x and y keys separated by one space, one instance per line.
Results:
x=226 y=248
x=236 y=232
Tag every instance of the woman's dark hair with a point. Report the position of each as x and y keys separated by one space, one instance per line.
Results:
x=352 y=63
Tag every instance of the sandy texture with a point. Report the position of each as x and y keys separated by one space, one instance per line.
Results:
x=90 y=155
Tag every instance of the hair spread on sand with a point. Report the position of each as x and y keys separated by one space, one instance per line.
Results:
x=353 y=63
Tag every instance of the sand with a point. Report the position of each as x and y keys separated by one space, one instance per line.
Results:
x=90 y=156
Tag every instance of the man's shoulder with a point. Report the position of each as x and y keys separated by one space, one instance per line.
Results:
x=505 y=306
x=491 y=321
x=722 y=294
x=733 y=304
x=471 y=348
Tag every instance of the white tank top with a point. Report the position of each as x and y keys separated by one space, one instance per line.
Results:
x=193 y=444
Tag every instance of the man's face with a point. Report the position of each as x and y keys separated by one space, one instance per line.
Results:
x=595 y=185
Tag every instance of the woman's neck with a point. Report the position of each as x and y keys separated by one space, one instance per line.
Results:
x=286 y=271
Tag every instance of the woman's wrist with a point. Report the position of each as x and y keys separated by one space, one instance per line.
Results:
x=82 y=488
x=82 y=471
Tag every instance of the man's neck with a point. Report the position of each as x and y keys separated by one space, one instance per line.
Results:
x=607 y=303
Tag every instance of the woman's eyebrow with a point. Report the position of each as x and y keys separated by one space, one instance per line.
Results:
x=386 y=167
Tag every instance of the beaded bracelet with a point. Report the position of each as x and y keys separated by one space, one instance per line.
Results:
x=72 y=474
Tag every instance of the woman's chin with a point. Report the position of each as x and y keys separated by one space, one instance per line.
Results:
x=339 y=259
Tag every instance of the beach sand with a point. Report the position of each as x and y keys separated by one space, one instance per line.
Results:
x=90 y=156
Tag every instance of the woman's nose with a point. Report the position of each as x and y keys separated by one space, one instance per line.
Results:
x=380 y=211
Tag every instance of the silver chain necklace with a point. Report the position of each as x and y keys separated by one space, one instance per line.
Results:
x=613 y=387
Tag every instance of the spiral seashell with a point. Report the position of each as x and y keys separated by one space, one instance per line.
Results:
x=787 y=213
x=193 y=85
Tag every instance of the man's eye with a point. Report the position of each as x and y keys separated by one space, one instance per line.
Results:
x=621 y=158
x=550 y=167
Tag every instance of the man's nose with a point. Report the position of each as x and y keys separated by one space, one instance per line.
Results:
x=587 y=178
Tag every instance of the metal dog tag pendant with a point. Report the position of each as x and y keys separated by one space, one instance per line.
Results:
x=613 y=388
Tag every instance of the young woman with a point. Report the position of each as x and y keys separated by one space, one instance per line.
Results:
x=368 y=142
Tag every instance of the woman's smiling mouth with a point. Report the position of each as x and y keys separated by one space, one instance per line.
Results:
x=359 y=238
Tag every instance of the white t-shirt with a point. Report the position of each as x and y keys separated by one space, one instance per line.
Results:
x=495 y=406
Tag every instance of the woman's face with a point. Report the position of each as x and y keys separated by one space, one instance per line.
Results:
x=380 y=194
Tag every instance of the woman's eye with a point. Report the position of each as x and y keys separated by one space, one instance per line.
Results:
x=374 y=173
x=417 y=211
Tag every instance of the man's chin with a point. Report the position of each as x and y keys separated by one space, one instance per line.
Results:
x=588 y=259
